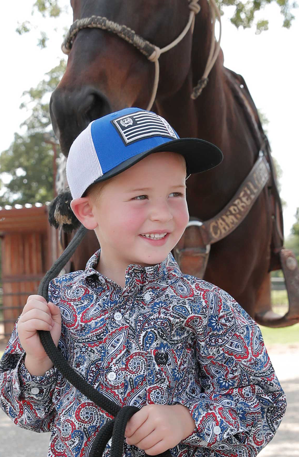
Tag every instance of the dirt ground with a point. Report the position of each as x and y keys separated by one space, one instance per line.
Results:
x=16 y=442
x=285 y=360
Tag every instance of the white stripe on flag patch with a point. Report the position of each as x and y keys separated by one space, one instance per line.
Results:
x=136 y=126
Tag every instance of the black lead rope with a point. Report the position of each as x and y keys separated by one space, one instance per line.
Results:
x=114 y=428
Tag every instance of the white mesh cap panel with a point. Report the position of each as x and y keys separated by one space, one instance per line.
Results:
x=83 y=166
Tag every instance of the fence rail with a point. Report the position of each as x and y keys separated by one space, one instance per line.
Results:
x=278 y=284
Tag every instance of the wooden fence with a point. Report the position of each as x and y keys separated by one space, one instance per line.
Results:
x=29 y=247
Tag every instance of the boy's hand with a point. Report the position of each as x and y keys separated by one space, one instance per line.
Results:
x=38 y=315
x=156 y=428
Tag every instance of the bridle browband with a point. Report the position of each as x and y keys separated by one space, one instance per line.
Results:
x=148 y=49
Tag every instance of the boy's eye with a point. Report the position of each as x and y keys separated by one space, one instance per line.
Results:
x=145 y=197
x=176 y=194
x=140 y=197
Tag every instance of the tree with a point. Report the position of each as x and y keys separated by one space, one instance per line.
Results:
x=295 y=228
x=293 y=240
x=29 y=159
x=48 y=9
x=242 y=13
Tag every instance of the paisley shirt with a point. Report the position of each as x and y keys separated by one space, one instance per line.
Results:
x=165 y=338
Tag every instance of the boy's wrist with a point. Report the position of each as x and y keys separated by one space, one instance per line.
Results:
x=37 y=367
x=187 y=420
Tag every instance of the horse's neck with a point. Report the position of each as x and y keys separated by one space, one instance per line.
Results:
x=213 y=116
x=203 y=119
x=197 y=117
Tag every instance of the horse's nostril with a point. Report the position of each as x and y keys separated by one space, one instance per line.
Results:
x=86 y=104
x=98 y=107
x=71 y=112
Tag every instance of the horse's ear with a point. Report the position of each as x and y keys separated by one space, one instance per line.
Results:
x=61 y=214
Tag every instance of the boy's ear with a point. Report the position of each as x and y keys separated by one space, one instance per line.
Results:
x=83 y=211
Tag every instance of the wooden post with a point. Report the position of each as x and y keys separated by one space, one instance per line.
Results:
x=28 y=250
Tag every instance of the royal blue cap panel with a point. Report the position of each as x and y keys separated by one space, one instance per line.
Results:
x=109 y=141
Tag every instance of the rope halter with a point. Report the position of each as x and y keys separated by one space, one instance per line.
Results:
x=151 y=51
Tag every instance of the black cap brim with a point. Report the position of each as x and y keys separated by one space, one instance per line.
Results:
x=200 y=156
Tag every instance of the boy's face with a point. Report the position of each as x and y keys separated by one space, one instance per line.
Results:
x=142 y=213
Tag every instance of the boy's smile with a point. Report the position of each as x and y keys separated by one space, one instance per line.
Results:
x=156 y=236
x=140 y=214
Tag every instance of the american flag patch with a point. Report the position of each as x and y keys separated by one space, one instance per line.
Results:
x=137 y=126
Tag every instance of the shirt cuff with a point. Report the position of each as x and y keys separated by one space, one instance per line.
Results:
x=206 y=432
x=194 y=440
x=36 y=387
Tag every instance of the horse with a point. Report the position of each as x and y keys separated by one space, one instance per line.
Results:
x=114 y=64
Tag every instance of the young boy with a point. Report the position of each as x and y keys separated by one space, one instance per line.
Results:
x=131 y=323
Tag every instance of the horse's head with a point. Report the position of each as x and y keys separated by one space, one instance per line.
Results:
x=106 y=73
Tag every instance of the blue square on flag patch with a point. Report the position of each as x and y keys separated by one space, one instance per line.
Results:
x=140 y=125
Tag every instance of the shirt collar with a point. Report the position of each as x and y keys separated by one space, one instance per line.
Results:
x=137 y=275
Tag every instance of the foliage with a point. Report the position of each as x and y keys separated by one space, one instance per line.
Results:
x=264 y=120
x=29 y=159
x=48 y=7
x=292 y=243
x=37 y=101
x=278 y=170
x=0 y=271
x=293 y=240
x=243 y=14
x=295 y=228
x=23 y=28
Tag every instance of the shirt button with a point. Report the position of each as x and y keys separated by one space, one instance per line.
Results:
x=35 y=390
x=217 y=430
x=111 y=376
x=118 y=316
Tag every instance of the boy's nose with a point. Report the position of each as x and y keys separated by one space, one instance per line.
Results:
x=161 y=212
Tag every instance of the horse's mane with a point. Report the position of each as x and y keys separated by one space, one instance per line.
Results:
x=243 y=97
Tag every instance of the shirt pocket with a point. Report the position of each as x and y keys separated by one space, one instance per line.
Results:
x=163 y=375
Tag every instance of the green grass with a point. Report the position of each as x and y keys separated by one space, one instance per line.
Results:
x=279 y=298
x=284 y=335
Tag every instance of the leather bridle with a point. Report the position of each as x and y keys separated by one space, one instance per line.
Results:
x=151 y=51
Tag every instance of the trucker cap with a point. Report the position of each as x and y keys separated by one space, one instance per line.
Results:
x=115 y=142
